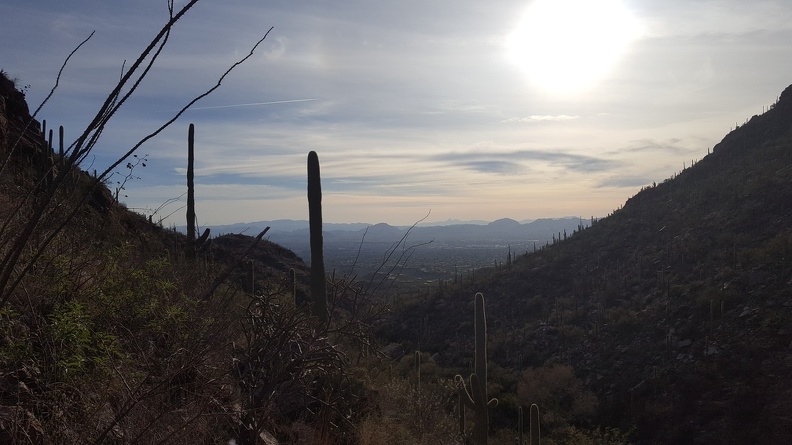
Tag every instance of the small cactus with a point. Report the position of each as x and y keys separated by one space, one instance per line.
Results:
x=520 y=422
x=535 y=437
x=301 y=299
x=293 y=281
x=61 y=150
x=251 y=278
x=418 y=371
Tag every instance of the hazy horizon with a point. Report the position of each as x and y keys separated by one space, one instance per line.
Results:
x=472 y=110
x=425 y=223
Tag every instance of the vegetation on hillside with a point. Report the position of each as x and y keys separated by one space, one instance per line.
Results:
x=669 y=319
x=114 y=330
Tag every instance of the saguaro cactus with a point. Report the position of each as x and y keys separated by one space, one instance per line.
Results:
x=202 y=241
x=535 y=438
x=190 y=191
x=61 y=151
x=318 y=279
x=251 y=277
x=475 y=397
x=520 y=422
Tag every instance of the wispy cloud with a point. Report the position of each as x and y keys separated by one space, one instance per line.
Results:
x=624 y=182
x=513 y=162
x=541 y=118
x=671 y=145
x=499 y=167
x=254 y=104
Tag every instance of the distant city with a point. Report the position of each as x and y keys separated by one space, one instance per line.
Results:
x=407 y=259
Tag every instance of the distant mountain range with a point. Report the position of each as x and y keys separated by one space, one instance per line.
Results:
x=291 y=225
x=293 y=234
x=442 y=248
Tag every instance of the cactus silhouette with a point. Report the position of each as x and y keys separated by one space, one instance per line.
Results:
x=318 y=279
x=535 y=438
x=251 y=278
x=520 y=423
x=418 y=371
x=475 y=397
x=203 y=241
x=190 y=191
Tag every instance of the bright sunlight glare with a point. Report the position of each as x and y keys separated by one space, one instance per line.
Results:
x=565 y=46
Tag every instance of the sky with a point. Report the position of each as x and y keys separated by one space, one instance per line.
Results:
x=458 y=109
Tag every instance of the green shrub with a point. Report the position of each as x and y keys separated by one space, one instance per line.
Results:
x=76 y=347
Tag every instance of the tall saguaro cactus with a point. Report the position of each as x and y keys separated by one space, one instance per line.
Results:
x=192 y=242
x=475 y=397
x=318 y=279
x=190 y=191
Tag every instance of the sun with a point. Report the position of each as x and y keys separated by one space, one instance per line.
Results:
x=565 y=46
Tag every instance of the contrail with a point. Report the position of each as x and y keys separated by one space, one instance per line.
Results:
x=291 y=101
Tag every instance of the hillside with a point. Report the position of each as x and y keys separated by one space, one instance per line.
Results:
x=674 y=313
x=112 y=332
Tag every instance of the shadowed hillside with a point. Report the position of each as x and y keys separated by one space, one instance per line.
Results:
x=675 y=310
x=113 y=331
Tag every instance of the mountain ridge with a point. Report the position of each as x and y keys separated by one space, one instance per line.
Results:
x=291 y=225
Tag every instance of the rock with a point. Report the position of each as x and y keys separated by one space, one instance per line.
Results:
x=267 y=438
x=685 y=343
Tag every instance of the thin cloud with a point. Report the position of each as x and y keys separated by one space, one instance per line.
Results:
x=624 y=182
x=667 y=146
x=509 y=161
x=541 y=118
x=500 y=167
x=254 y=104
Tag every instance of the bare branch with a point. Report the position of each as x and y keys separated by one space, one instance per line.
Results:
x=389 y=253
x=185 y=108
